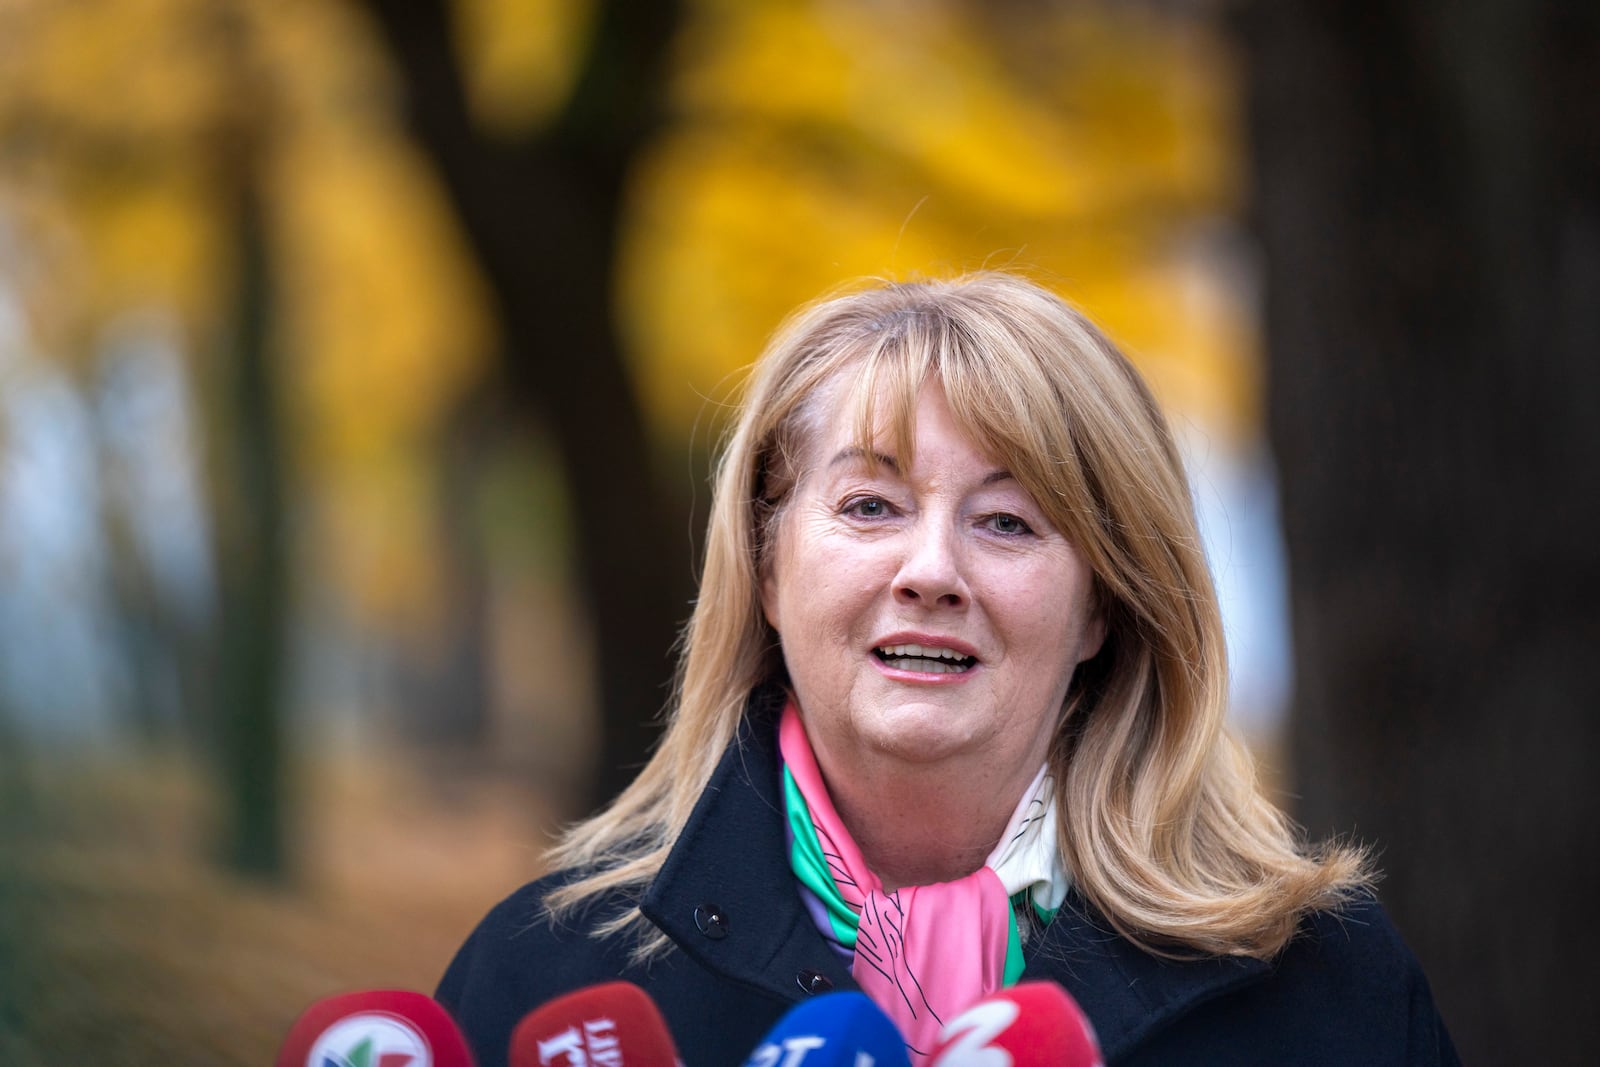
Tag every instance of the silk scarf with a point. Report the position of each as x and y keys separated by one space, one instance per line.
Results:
x=922 y=953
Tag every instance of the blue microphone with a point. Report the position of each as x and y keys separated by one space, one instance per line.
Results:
x=833 y=1030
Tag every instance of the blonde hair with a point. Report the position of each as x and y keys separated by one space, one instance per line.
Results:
x=1163 y=825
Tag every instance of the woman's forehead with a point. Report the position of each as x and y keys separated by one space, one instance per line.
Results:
x=853 y=424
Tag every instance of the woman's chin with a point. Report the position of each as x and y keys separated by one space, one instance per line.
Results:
x=916 y=734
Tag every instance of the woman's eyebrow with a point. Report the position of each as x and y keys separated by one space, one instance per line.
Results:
x=856 y=454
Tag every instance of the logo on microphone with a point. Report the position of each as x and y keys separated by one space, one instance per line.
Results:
x=370 y=1039
x=595 y=1045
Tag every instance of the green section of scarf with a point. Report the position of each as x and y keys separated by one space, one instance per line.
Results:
x=811 y=867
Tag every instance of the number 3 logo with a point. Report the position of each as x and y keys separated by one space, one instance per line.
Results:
x=973 y=1029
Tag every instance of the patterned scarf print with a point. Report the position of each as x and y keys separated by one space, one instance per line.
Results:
x=922 y=953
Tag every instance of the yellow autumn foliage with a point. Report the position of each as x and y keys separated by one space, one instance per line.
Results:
x=806 y=143
x=819 y=142
x=519 y=58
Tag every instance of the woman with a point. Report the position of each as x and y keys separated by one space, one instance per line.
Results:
x=950 y=715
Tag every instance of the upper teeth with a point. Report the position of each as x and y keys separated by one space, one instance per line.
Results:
x=929 y=651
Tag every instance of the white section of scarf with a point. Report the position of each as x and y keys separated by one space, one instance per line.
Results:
x=1027 y=857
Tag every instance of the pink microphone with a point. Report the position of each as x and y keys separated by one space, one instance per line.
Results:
x=615 y=1023
x=1032 y=1024
x=381 y=1028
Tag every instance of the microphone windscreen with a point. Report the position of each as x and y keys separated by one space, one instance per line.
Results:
x=379 y=1028
x=1032 y=1024
x=833 y=1030
x=613 y=1023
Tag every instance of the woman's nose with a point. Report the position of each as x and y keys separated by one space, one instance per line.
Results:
x=931 y=572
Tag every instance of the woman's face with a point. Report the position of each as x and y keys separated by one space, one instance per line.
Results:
x=927 y=609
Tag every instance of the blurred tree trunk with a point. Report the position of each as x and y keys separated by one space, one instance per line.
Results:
x=542 y=213
x=1428 y=198
x=248 y=491
x=248 y=495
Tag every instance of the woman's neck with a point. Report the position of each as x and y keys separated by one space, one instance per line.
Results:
x=915 y=829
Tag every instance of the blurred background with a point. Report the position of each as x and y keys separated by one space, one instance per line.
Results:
x=361 y=366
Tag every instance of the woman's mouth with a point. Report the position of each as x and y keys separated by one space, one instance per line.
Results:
x=924 y=659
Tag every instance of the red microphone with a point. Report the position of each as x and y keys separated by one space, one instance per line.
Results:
x=1032 y=1024
x=611 y=1025
x=381 y=1028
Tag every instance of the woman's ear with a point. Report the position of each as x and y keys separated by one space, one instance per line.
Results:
x=1093 y=636
x=769 y=598
x=771 y=602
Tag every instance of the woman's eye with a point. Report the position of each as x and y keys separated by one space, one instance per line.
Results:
x=1008 y=524
x=868 y=507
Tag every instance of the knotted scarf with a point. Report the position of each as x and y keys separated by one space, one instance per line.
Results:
x=922 y=953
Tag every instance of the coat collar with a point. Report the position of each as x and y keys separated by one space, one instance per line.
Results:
x=726 y=897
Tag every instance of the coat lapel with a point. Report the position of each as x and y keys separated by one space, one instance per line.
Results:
x=730 y=859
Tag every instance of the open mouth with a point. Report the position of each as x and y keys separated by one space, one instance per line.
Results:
x=924 y=660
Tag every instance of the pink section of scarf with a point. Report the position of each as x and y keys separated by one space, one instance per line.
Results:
x=925 y=953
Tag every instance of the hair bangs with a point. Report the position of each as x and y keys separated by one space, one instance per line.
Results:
x=901 y=355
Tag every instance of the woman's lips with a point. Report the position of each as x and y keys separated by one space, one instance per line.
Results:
x=924 y=670
x=924 y=658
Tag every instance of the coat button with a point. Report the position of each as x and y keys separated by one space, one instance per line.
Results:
x=811 y=982
x=712 y=921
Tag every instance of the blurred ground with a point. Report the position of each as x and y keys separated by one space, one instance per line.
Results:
x=121 y=944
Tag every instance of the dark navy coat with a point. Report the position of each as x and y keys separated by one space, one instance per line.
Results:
x=1346 y=991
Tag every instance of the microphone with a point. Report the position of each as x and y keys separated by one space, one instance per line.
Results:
x=380 y=1028
x=614 y=1024
x=1032 y=1024
x=833 y=1030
